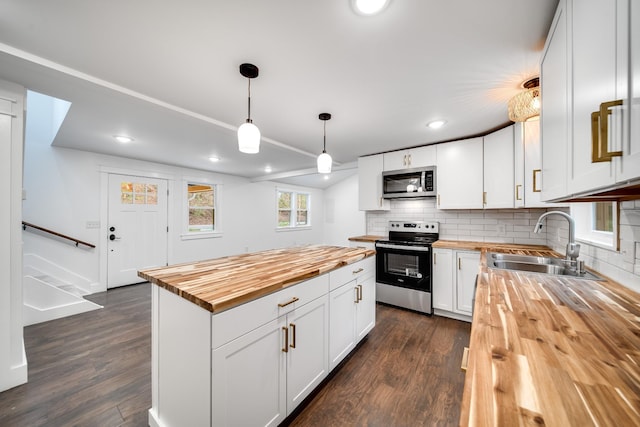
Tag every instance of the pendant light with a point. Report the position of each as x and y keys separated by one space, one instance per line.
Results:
x=324 y=159
x=248 y=133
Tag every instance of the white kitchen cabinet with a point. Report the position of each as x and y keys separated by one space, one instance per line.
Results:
x=498 y=168
x=352 y=303
x=407 y=159
x=370 y=184
x=274 y=367
x=554 y=114
x=454 y=277
x=466 y=272
x=589 y=76
x=460 y=174
x=443 y=280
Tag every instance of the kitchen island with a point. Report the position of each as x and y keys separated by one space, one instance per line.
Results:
x=551 y=350
x=242 y=340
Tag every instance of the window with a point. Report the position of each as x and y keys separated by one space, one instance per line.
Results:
x=201 y=204
x=597 y=223
x=138 y=193
x=293 y=209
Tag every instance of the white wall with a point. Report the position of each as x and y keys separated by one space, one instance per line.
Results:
x=13 y=362
x=63 y=188
x=341 y=214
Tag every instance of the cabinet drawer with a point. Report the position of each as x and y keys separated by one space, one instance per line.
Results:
x=358 y=270
x=237 y=321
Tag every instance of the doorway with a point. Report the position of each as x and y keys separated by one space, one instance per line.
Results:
x=137 y=227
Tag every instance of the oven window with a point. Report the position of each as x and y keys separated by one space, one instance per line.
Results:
x=403 y=265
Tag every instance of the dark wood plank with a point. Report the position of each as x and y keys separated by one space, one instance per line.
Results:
x=94 y=369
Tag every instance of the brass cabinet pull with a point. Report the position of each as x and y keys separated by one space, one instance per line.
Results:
x=484 y=197
x=459 y=263
x=359 y=292
x=286 y=339
x=600 y=133
x=293 y=335
x=291 y=301
x=465 y=360
x=535 y=180
x=434 y=258
x=357 y=300
x=518 y=187
x=360 y=270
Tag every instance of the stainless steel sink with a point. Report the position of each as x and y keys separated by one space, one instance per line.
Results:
x=536 y=264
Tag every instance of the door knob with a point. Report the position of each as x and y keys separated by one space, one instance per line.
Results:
x=113 y=237
x=112 y=229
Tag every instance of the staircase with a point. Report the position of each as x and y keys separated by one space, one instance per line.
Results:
x=51 y=292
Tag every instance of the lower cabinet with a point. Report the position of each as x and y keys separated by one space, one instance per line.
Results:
x=352 y=315
x=454 y=277
x=255 y=363
x=271 y=369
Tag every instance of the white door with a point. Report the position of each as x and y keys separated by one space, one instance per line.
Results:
x=137 y=227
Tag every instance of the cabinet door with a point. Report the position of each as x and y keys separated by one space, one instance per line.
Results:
x=460 y=174
x=395 y=160
x=342 y=317
x=406 y=159
x=466 y=272
x=249 y=378
x=370 y=184
x=307 y=358
x=366 y=307
x=499 y=169
x=628 y=166
x=554 y=116
x=443 y=279
x=518 y=164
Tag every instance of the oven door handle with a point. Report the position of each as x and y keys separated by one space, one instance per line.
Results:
x=404 y=248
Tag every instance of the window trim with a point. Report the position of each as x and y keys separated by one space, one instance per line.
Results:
x=217 y=191
x=585 y=233
x=294 y=210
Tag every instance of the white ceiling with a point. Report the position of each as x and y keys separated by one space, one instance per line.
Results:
x=166 y=73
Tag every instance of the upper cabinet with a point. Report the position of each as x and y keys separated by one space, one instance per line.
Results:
x=459 y=172
x=590 y=111
x=370 y=184
x=498 y=169
x=407 y=159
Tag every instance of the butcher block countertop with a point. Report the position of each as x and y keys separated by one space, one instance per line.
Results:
x=553 y=351
x=367 y=238
x=223 y=283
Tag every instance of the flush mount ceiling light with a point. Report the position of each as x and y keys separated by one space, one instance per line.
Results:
x=369 y=7
x=526 y=104
x=324 y=159
x=436 y=124
x=248 y=133
x=123 y=139
x=214 y=159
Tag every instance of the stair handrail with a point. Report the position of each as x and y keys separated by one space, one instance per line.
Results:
x=46 y=230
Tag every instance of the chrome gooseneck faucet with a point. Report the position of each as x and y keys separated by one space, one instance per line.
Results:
x=573 y=248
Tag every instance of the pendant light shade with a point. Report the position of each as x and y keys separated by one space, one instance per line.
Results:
x=526 y=104
x=324 y=159
x=248 y=133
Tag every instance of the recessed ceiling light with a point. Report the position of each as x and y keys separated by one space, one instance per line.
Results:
x=267 y=169
x=214 y=159
x=326 y=177
x=436 y=124
x=369 y=7
x=122 y=138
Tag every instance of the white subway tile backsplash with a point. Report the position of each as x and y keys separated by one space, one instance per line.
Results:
x=483 y=226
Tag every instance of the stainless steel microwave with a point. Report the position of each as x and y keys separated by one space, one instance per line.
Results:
x=408 y=183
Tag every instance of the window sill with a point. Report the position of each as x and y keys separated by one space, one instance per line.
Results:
x=597 y=244
x=308 y=227
x=202 y=235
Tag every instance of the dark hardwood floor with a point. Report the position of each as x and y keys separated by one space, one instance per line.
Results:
x=94 y=369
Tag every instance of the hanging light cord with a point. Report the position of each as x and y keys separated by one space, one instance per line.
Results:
x=249 y=102
x=324 y=145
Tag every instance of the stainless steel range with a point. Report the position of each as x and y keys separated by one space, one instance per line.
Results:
x=403 y=265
